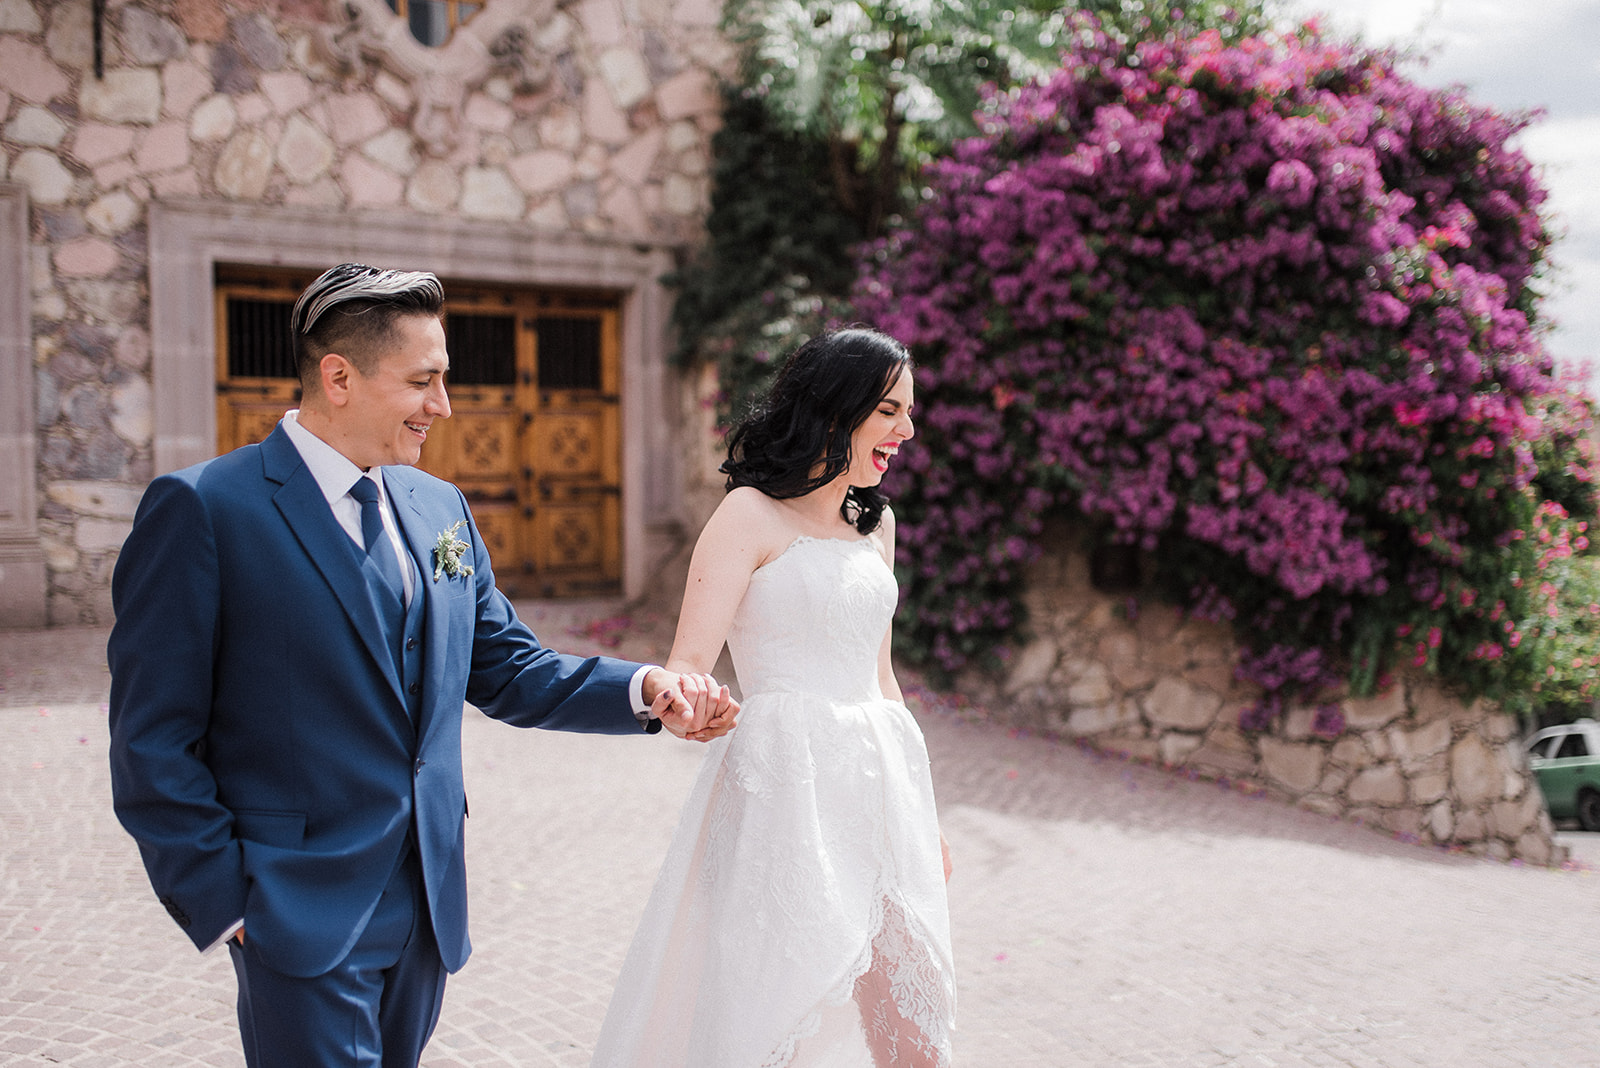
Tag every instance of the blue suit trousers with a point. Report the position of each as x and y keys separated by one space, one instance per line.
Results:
x=377 y=1008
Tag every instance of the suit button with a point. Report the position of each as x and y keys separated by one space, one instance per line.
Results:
x=414 y=689
x=418 y=770
x=411 y=643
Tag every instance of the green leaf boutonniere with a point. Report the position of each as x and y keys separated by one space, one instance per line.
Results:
x=448 y=551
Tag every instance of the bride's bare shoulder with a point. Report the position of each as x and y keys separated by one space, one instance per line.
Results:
x=750 y=519
x=749 y=507
x=747 y=497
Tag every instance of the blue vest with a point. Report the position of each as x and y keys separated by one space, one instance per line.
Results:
x=410 y=651
x=402 y=630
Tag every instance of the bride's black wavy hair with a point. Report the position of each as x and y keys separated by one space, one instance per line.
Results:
x=824 y=391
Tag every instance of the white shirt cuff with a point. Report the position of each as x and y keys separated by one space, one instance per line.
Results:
x=238 y=925
x=641 y=707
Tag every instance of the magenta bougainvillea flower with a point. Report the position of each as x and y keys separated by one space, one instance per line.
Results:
x=1264 y=311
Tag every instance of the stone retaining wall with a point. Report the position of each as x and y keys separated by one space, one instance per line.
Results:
x=1133 y=676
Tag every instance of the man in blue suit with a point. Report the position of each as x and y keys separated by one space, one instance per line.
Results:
x=298 y=625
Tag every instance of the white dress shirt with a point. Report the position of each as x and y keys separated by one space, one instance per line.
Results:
x=335 y=474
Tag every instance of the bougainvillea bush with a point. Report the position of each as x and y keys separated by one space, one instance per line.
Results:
x=1263 y=310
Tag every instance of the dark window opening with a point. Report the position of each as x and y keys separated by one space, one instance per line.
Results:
x=569 y=353
x=433 y=21
x=259 y=345
x=482 y=348
x=1573 y=745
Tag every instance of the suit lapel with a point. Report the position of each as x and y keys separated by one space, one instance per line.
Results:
x=300 y=501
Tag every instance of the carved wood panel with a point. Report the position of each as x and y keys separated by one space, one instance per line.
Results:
x=573 y=542
x=246 y=422
x=476 y=448
x=569 y=445
x=498 y=524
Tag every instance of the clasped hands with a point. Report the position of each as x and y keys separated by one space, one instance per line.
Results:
x=691 y=705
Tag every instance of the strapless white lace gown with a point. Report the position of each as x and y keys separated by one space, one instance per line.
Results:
x=806 y=863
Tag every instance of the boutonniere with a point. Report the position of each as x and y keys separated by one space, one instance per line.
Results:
x=448 y=551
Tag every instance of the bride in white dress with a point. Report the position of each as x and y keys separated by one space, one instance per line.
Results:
x=800 y=920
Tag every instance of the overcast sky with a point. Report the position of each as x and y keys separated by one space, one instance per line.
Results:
x=1537 y=54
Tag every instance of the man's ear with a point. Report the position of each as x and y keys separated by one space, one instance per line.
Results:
x=334 y=372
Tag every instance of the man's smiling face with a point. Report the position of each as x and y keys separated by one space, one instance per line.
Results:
x=389 y=411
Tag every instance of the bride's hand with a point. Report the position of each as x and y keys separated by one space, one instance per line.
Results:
x=721 y=712
x=715 y=709
x=671 y=698
x=691 y=705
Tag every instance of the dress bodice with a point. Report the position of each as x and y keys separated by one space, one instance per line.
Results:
x=813 y=619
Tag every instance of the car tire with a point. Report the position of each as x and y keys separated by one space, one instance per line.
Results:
x=1589 y=810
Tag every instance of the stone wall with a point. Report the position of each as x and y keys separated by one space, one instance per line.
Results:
x=698 y=437
x=581 y=118
x=1130 y=675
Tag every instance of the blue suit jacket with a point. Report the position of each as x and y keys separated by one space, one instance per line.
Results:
x=261 y=750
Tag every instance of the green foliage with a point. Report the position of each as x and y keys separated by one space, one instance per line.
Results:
x=1565 y=450
x=888 y=85
x=777 y=241
x=885 y=86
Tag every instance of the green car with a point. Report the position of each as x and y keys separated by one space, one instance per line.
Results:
x=1566 y=760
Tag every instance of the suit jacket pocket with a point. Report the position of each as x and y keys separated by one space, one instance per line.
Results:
x=286 y=830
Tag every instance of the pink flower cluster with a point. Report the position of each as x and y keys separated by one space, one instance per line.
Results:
x=1262 y=309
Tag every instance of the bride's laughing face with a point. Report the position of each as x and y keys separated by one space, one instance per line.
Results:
x=877 y=440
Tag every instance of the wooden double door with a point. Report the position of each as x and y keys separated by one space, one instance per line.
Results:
x=534 y=439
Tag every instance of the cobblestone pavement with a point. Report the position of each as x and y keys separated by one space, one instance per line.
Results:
x=1105 y=914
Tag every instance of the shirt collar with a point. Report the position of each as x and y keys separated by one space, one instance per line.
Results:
x=334 y=471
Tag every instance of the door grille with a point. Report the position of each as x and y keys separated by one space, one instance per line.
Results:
x=483 y=349
x=569 y=353
x=258 y=339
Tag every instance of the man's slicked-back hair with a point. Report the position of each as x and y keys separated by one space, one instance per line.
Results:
x=351 y=309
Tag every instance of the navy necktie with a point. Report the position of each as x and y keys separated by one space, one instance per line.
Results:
x=379 y=549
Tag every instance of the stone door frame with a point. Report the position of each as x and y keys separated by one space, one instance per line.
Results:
x=188 y=240
x=23 y=582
